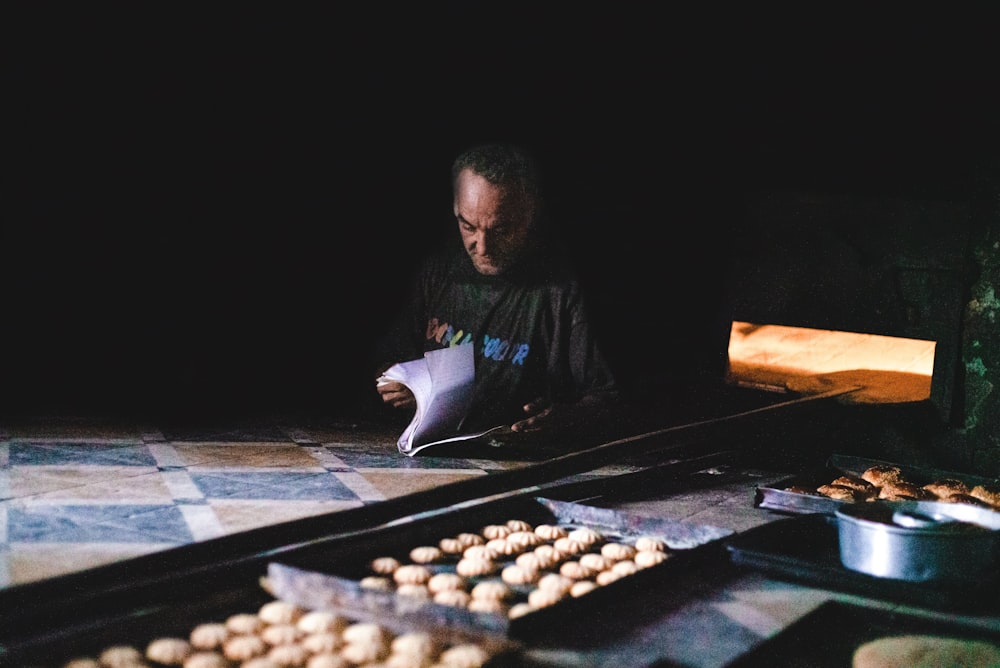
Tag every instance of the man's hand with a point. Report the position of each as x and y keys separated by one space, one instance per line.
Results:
x=543 y=415
x=538 y=412
x=395 y=394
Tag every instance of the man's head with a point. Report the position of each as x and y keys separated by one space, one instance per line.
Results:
x=496 y=203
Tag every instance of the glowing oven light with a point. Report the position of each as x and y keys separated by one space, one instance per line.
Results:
x=782 y=358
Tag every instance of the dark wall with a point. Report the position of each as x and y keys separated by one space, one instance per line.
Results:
x=215 y=210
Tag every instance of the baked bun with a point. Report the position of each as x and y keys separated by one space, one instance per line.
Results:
x=967 y=499
x=901 y=490
x=840 y=493
x=946 y=487
x=882 y=474
x=864 y=490
x=854 y=482
x=925 y=651
x=989 y=494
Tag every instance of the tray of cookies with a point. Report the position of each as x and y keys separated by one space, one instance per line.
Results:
x=850 y=479
x=250 y=626
x=512 y=567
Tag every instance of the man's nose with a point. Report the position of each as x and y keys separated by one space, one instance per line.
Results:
x=483 y=242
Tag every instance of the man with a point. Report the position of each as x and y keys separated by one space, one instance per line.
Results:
x=509 y=293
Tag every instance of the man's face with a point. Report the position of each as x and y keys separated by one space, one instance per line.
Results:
x=493 y=223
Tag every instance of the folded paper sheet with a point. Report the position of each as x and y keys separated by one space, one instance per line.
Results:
x=441 y=382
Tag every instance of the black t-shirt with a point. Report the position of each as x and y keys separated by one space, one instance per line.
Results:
x=529 y=326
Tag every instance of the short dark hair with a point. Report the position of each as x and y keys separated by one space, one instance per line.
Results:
x=509 y=166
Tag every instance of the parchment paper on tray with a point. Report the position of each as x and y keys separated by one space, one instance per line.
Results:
x=678 y=535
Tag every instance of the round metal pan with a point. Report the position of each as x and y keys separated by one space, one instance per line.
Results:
x=920 y=541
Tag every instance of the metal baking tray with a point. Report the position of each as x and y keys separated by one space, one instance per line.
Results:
x=828 y=636
x=779 y=498
x=806 y=549
x=54 y=647
x=331 y=579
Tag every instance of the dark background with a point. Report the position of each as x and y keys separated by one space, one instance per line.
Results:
x=214 y=211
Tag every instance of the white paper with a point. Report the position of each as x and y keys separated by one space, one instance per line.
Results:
x=441 y=382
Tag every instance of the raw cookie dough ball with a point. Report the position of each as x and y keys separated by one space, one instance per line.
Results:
x=376 y=583
x=648 y=558
x=480 y=552
x=451 y=546
x=471 y=567
x=210 y=635
x=168 y=651
x=385 y=565
x=466 y=655
x=468 y=539
x=412 y=574
x=363 y=652
x=413 y=590
x=516 y=575
x=280 y=634
x=650 y=544
x=596 y=562
x=492 y=590
x=485 y=605
x=319 y=621
x=525 y=539
x=280 y=612
x=550 y=531
x=290 y=655
x=607 y=577
x=625 y=567
x=503 y=547
x=244 y=647
x=519 y=610
x=206 y=659
x=458 y=598
x=519 y=525
x=244 y=623
x=618 y=551
x=84 y=662
x=328 y=661
x=548 y=556
x=260 y=662
x=576 y=570
x=541 y=598
x=555 y=582
x=569 y=546
x=529 y=561
x=366 y=632
x=582 y=587
x=586 y=535
x=121 y=656
x=324 y=642
x=414 y=643
x=492 y=531
x=444 y=581
x=365 y=642
x=426 y=554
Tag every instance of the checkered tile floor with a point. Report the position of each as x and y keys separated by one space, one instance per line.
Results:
x=74 y=496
